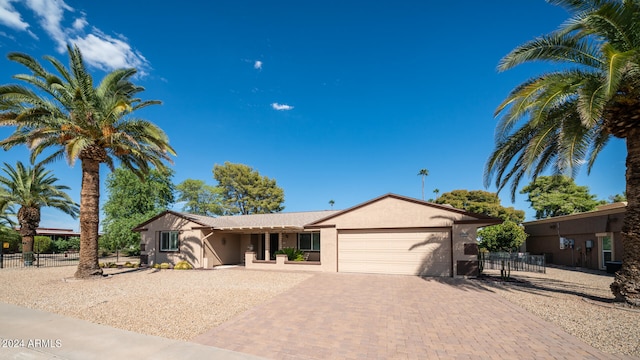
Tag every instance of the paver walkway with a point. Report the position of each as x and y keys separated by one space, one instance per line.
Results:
x=352 y=316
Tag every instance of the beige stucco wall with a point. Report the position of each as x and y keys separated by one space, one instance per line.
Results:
x=463 y=234
x=190 y=248
x=280 y=263
x=329 y=249
x=222 y=248
x=395 y=213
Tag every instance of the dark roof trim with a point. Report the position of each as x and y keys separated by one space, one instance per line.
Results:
x=416 y=201
x=174 y=213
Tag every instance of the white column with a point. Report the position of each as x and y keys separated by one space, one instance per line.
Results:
x=267 y=246
x=280 y=241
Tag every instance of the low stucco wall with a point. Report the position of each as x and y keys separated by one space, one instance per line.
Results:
x=281 y=263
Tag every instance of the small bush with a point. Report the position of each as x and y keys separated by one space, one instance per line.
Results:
x=131 y=251
x=165 y=265
x=104 y=252
x=42 y=244
x=102 y=265
x=112 y=265
x=135 y=265
x=183 y=265
x=74 y=243
x=156 y=266
x=128 y=264
x=292 y=254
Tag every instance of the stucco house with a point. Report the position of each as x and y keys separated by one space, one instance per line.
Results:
x=589 y=239
x=391 y=234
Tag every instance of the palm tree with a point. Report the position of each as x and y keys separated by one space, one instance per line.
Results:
x=424 y=173
x=562 y=119
x=331 y=202
x=436 y=191
x=6 y=214
x=80 y=121
x=32 y=188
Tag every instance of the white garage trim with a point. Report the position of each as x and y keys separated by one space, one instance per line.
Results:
x=425 y=252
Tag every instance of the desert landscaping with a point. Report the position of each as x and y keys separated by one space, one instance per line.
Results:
x=183 y=304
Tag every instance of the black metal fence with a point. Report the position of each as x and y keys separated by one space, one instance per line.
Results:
x=513 y=262
x=30 y=260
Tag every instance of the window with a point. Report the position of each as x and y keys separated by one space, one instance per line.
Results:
x=169 y=241
x=309 y=241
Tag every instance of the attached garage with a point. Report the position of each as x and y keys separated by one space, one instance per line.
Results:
x=394 y=234
x=399 y=251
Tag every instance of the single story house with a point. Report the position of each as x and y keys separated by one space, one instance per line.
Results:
x=589 y=239
x=390 y=234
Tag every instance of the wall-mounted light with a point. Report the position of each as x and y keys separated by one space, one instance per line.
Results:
x=224 y=241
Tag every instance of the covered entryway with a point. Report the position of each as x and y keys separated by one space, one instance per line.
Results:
x=425 y=252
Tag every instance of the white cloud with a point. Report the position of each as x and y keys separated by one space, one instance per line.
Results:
x=257 y=65
x=281 y=107
x=108 y=53
x=80 y=23
x=98 y=49
x=51 y=13
x=10 y=17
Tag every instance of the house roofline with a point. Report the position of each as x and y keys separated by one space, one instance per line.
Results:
x=479 y=217
x=608 y=209
x=140 y=227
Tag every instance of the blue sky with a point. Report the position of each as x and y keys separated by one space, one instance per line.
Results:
x=334 y=99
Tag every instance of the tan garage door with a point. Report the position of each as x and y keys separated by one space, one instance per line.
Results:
x=426 y=253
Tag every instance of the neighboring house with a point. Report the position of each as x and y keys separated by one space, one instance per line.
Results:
x=55 y=234
x=589 y=239
x=390 y=234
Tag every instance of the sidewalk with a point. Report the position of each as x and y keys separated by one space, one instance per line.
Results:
x=34 y=334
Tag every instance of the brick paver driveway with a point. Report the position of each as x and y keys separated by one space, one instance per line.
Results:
x=345 y=316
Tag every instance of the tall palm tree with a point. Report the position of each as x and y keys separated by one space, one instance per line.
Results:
x=32 y=188
x=81 y=121
x=562 y=119
x=424 y=173
x=436 y=191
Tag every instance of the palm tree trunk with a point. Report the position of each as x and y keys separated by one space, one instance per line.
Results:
x=29 y=219
x=626 y=285
x=89 y=219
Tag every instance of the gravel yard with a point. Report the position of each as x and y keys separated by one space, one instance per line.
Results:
x=183 y=304
x=169 y=303
x=578 y=301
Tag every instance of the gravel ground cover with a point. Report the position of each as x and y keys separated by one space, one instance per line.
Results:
x=579 y=301
x=183 y=304
x=175 y=304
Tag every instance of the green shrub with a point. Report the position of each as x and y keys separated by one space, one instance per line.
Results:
x=183 y=265
x=104 y=252
x=128 y=264
x=292 y=254
x=165 y=265
x=42 y=244
x=12 y=237
x=112 y=265
x=132 y=251
x=156 y=266
x=73 y=243
x=102 y=265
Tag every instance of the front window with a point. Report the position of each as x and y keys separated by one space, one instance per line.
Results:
x=309 y=241
x=169 y=241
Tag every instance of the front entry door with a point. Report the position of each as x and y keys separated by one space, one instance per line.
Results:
x=274 y=244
